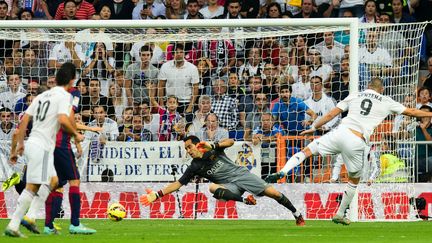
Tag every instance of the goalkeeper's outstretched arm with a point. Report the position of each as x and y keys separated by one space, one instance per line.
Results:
x=152 y=196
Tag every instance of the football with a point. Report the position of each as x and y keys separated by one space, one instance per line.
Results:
x=116 y=212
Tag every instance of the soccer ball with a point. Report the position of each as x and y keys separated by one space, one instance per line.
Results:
x=116 y=212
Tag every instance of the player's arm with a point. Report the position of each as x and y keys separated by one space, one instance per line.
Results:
x=222 y=144
x=152 y=196
x=21 y=134
x=416 y=113
x=83 y=127
x=326 y=118
x=13 y=154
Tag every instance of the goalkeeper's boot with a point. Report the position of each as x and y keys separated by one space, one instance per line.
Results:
x=81 y=229
x=273 y=178
x=49 y=231
x=11 y=181
x=30 y=224
x=249 y=200
x=341 y=220
x=13 y=233
x=299 y=220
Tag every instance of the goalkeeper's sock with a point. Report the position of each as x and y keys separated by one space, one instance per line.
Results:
x=227 y=195
x=24 y=201
x=75 y=204
x=287 y=203
x=38 y=201
x=295 y=160
x=347 y=197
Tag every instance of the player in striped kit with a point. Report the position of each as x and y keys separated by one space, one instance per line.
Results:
x=366 y=110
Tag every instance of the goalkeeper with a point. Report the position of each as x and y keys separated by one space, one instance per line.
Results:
x=230 y=181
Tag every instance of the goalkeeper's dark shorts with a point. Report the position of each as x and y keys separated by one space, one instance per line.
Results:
x=247 y=182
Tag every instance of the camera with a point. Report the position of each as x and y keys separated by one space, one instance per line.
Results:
x=144 y=5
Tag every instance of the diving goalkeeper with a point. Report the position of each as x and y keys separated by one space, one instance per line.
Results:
x=230 y=181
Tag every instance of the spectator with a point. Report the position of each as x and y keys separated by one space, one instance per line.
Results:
x=331 y=50
x=5 y=45
x=14 y=92
x=423 y=97
x=301 y=89
x=299 y=52
x=81 y=85
x=385 y=6
x=236 y=89
x=253 y=119
x=118 y=98
x=321 y=104
x=288 y=71
x=204 y=66
x=150 y=121
x=21 y=104
x=318 y=68
x=290 y=111
x=423 y=13
x=204 y=108
x=168 y=117
x=148 y=9
x=399 y=16
x=190 y=50
x=220 y=53
x=427 y=80
x=339 y=84
x=392 y=40
x=180 y=79
x=66 y=51
x=193 y=10
x=213 y=10
x=175 y=9
x=135 y=133
x=7 y=127
x=126 y=119
x=224 y=106
x=212 y=131
x=32 y=68
x=307 y=10
x=273 y=10
x=267 y=131
x=371 y=14
x=355 y=6
x=120 y=9
x=158 y=55
x=4 y=11
x=82 y=10
x=270 y=50
x=233 y=12
x=138 y=74
x=50 y=7
x=253 y=66
x=271 y=73
x=246 y=103
x=100 y=66
x=110 y=130
x=95 y=99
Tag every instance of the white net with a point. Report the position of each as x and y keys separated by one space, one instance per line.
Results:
x=150 y=87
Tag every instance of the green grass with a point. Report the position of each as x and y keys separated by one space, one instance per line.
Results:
x=234 y=231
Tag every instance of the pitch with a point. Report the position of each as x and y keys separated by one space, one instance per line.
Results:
x=233 y=231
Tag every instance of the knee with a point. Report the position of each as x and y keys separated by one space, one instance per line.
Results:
x=74 y=182
x=272 y=193
x=54 y=182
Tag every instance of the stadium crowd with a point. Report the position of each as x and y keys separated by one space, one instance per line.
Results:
x=247 y=89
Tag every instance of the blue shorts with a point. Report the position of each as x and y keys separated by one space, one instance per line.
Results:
x=65 y=164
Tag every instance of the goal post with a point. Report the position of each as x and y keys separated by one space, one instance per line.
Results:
x=263 y=53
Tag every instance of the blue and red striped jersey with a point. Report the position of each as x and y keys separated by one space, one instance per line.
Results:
x=63 y=138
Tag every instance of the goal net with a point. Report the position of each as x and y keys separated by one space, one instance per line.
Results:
x=150 y=84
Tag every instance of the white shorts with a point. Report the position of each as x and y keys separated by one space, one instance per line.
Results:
x=40 y=164
x=342 y=141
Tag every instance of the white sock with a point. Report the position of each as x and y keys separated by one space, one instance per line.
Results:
x=347 y=197
x=295 y=160
x=24 y=201
x=38 y=203
x=296 y=214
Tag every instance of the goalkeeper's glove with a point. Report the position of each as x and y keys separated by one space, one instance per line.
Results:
x=150 y=197
x=274 y=177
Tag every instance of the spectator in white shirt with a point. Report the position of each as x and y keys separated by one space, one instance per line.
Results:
x=213 y=10
x=331 y=50
x=110 y=130
x=13 y=93
x=148 y=9
x=302 y=89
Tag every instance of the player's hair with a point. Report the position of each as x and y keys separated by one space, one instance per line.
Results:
x=376 y=84
x=194 y=139
x=65 y=74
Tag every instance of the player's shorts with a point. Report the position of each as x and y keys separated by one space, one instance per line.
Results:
x=247 y=182
x=65 y=165
x=40 y=164
x=353 y=149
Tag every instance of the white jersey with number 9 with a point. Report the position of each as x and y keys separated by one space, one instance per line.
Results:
x=367 y=109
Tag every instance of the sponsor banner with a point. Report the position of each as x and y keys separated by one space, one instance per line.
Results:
x=154 y=161
x=315 y=201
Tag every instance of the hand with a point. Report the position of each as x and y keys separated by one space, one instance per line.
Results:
x=78 y=137
x=13 y=158
x=204 y=147
x=308 y=131
x=424 y=124
x=148 y=198
x=86 y=113
x=272 y=178
x=189 y=109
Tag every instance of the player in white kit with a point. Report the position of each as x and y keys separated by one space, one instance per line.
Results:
x=366 y=110
x=48 y=111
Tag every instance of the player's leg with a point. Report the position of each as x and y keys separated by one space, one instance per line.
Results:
x=52 y=208
x=229 y=192
x=283 y=200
